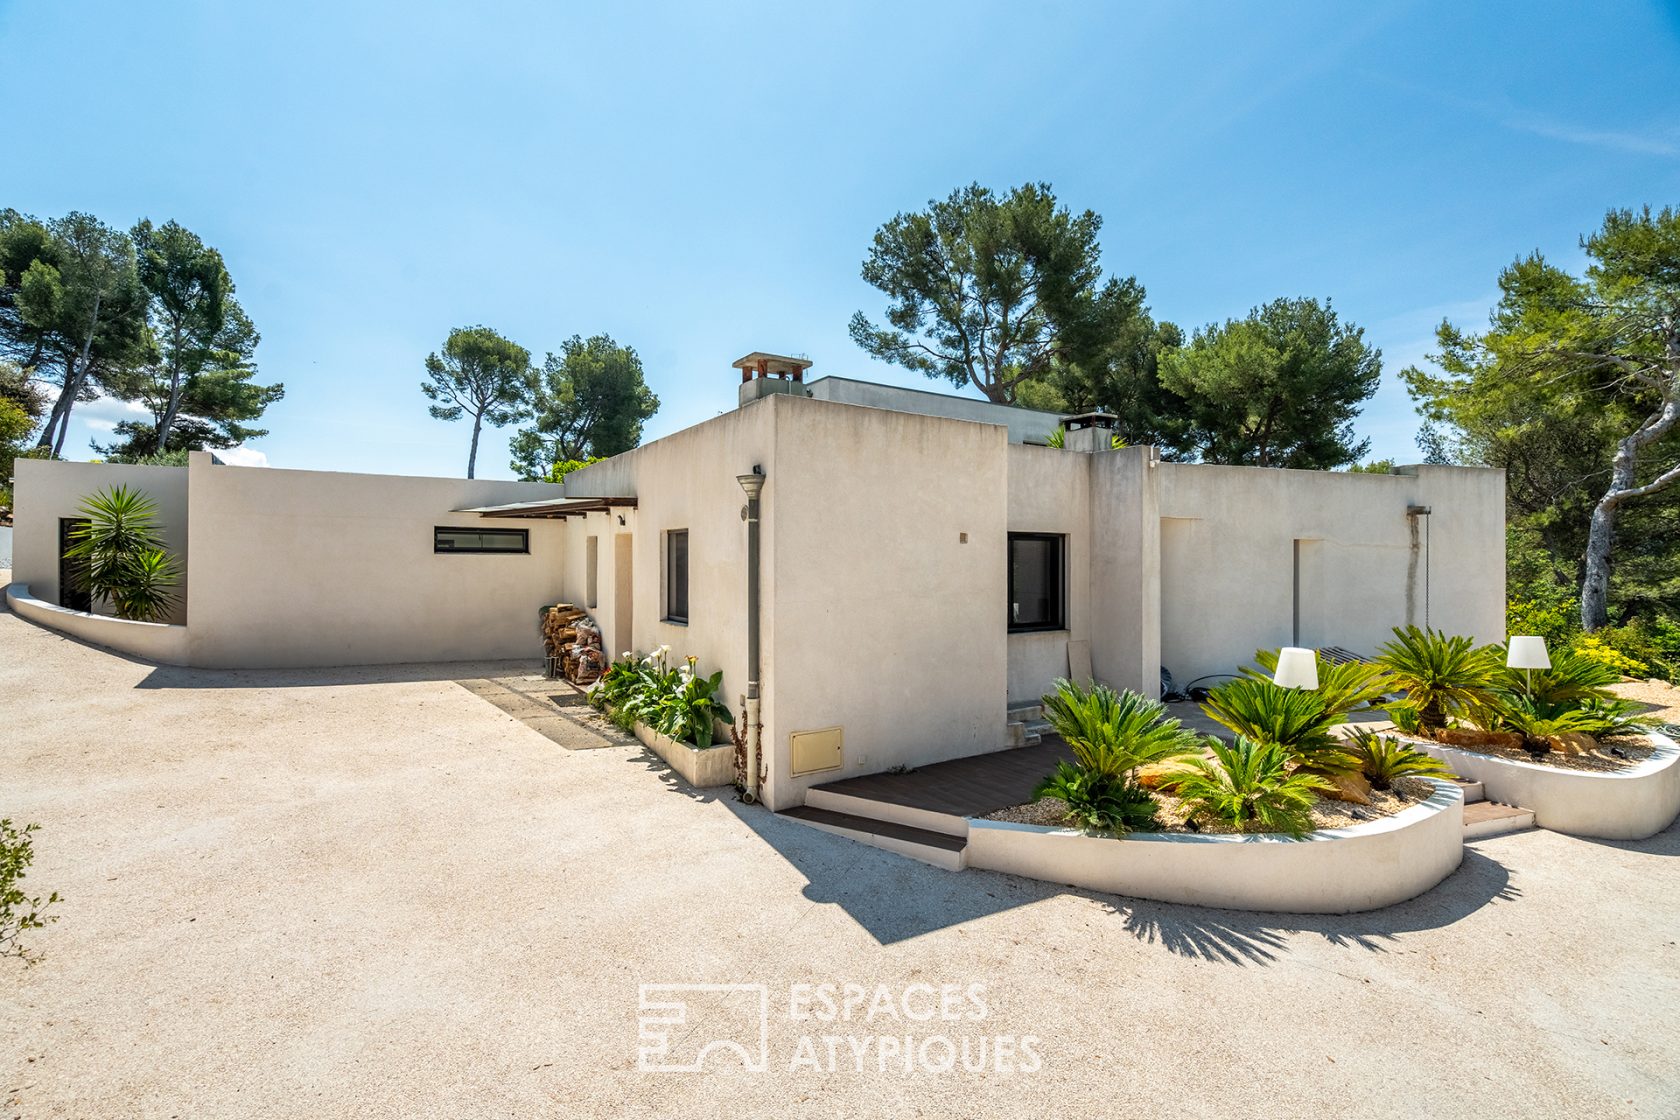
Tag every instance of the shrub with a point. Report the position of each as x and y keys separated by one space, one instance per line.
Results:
x=1113 y=733
x=1250 y=786
x=676 y=702
x=1382 y=760
x=19 y=912
x=1599 y=647
x=1098 y=801
x=1441 y=675
x=1295 y=719
x=126 y=563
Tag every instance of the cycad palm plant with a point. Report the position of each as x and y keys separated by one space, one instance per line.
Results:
x=1251 y=786
x=1442 y=675
x=1294 y=719
x=1382 y=760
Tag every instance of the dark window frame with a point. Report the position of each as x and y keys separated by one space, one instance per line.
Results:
x=674 y=611
x=73 y=593
x=1058 y=600
x=439 y=549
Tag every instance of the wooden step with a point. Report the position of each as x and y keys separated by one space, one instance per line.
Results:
x=937 y=848
x=1489 y=818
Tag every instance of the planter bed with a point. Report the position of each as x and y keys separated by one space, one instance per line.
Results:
x=1631 y=802
x=1332 y=871
x=701 y=767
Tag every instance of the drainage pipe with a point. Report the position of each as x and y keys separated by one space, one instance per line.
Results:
x=753 y=484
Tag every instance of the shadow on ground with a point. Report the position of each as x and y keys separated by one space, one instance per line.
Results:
x=895 y=898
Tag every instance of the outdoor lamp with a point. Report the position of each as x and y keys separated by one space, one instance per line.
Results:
x=1528 y=653
x=1296 y=668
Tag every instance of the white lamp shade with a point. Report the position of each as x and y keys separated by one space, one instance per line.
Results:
x=1296 y=668
x=1526 y=651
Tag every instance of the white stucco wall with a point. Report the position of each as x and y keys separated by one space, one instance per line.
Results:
x=1050 y=492
x=1228 y=546
x=309 y=568
x=46 y=490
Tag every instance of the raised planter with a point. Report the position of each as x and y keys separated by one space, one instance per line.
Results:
x=1334 y=871
x=702 y=767
x=162 y=642
x=1629 y=804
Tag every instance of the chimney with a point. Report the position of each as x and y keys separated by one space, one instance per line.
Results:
x=763 y=374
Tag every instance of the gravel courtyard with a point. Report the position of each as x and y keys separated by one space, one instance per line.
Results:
x=376 y=893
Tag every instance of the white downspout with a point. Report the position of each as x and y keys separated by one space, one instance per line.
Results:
x=753 y=484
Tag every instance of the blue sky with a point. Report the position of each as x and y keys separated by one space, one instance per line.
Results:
x=700 y=181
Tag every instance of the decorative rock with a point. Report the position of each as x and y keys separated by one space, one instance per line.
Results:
x=1155 y=775
x=1348 y=787
x=1572 y=742
x=1476 y=737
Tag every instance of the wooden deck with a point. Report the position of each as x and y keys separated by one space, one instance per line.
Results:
x=965 y=787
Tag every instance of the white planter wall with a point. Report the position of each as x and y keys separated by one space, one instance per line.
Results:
x=1626 y=804
x=1336 y=871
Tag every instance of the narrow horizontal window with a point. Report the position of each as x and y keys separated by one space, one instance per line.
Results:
x=1037 y=596
x=446 y=539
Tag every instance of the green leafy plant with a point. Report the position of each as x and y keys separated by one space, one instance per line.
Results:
x=1113 y=733
x=19 y=912
x=675 y=701
x=1250 y=786
x=126 y=562
x=1382 y=760
x=1294 y=719
x=1440 y=674
x=1098 y=801
x=1343 y=687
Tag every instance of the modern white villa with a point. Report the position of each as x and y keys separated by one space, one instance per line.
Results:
x=923 y=562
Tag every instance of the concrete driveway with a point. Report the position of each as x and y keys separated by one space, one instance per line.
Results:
x=374 y=894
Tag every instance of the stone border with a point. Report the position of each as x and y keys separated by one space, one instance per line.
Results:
x=1333 y=871
x=703 y=767
x=1629 y=804
x=162 y=642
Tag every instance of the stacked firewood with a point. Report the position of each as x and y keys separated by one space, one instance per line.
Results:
x=573 y=643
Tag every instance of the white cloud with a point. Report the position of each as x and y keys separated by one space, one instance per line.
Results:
x=101 y=425
x=243 y=457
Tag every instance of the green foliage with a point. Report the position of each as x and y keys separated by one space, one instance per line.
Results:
x=1280 y=388
x=19 y=912
x=1113 y=733
x=559 y=471
x=479 y=374
x=1299 y=720
x=1250 y=786
x=125 y=559
x=993 y=291
x=673 y=700
x=1382 y=760
x=1441 y=675
x=1099 y=802
x=588 y=402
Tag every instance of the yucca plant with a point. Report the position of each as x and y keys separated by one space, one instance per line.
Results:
x=1441 y=674
x=1113 y=733
x=1250 y=785
x=124 y=555
x=1382 y=760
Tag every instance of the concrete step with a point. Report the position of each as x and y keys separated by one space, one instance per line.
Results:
x=1489 y=818
x=936 y=848
x=925 y=820
x=1026 y=713
x=1473 y=791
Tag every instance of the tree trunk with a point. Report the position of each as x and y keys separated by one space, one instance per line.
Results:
x=167 y=420
x=1624 y=470
x=472 y=455
x=75 y=375
x=1595 y=588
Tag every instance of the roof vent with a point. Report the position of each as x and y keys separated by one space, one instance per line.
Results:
x=763 y=374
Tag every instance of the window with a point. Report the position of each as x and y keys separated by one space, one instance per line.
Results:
x=676 y=575
x=73 y=591
x=1036 y=597
x=591 y=566
x=446 y=539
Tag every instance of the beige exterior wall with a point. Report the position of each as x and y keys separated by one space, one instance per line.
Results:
x=1050 y=492
x=48 y=490
x=1228 y=559
x=304 y=568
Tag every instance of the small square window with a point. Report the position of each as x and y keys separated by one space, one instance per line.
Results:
x=676 y=575
x=1037 y=596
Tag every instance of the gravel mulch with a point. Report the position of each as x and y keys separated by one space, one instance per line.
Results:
x=1661 y=700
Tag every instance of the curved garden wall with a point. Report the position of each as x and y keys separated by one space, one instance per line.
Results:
x=165 y=643
x=1336 y=871
x=1626 y=804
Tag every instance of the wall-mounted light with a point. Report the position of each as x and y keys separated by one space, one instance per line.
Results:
x=1296 y=668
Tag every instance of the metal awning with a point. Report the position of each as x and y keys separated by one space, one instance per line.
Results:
x=563 y=508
